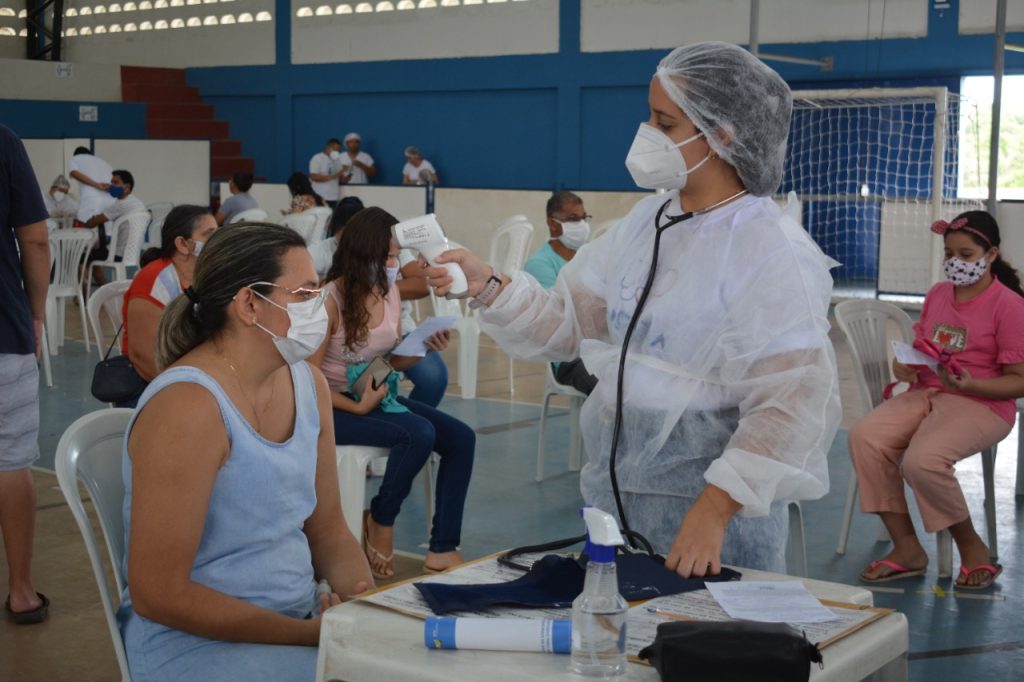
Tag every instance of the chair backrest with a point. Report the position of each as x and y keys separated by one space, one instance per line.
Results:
x=510 y=245
x=109 y=298
x=303 y=223
x=322 y=215
x=254 y=215
x=52 y=225
x=69 y=248
x=90 y=451
x=136 y=225
x=864 y=323
x=517 y=218
x=158 y=211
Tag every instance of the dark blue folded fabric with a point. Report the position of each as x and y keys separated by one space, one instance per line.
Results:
x=554 y=581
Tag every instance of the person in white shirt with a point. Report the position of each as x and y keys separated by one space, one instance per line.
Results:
x=60 y=204
x=417 y=170
x=122 y=183
x=323 y=250
x=356 y=166
x=91 y=172
x=325 y=170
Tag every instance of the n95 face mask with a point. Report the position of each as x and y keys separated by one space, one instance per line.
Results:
x=574 y=234
x=655 y=162
x=59 y=196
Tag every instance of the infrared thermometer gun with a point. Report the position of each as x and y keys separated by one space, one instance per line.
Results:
x=425 y=235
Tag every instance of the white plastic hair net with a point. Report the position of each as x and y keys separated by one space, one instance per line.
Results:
x=730 y=378
x=738 y=102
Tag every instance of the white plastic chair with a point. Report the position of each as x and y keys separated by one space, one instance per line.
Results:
x=468 y=329
x=44 y=358
x=250 y=215
x=352 y=461
x=510 y=246
x=90 y=450
x=864 y=324
x=158 y=212
x=68 y=249
x=109 y=298
x=135 y=224
x=303 y=223
x=322 y=214
x=576 y=398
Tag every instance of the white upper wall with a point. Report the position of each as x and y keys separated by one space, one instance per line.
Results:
x=979 y=16
x=617 y=25
x=29 y=79
x=161 y=35
x=484 y=30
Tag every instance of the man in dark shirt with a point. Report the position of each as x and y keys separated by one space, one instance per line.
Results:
x=23 y=284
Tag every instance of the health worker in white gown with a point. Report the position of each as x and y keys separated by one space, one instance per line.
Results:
x=730 y=392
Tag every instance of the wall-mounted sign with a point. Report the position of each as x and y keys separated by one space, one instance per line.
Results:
x=63 y=70
x=89 y=113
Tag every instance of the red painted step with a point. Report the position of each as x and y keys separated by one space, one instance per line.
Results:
x=225 y=166
x=145 y=74
x=225 y=148
x=185 y=128
x=166 y=110
x=158 y=92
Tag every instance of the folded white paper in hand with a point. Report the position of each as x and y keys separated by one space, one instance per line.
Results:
x=414 y=345
x=908 y=355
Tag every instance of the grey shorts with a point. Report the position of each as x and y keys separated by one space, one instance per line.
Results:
x=19 y=411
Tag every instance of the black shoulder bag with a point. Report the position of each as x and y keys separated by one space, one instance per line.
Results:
x=114 y=380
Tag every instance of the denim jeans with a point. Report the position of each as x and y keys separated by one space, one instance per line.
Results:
x=412 y=436
x=430 y=379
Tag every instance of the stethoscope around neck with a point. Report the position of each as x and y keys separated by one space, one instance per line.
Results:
x=660 y=229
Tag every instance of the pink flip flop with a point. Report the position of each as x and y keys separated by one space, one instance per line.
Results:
x=993 y=573
x=899 y=572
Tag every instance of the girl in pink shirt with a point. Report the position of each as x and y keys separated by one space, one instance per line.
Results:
x=977 y=319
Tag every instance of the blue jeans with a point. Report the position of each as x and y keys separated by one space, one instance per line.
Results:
x=430 y=379
x=412 y=436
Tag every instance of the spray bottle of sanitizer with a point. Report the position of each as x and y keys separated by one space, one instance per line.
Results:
x=599 y=613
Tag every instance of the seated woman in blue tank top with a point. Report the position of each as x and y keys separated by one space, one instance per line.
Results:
x=232 y=511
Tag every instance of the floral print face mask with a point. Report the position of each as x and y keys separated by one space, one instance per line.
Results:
x=963 y=273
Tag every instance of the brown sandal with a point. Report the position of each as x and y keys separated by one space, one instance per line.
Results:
x=373 y=556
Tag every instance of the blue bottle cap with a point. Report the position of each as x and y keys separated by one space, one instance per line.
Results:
x=599 y=554
x=439 y=633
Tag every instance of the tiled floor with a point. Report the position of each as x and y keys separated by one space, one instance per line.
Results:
x=951 y=638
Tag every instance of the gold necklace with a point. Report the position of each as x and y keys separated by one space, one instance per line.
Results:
x=252 y=403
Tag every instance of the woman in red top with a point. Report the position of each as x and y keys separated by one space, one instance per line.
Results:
x=977 y=319
x=166 y=273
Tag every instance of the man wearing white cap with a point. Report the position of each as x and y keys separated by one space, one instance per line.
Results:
x=360 y=164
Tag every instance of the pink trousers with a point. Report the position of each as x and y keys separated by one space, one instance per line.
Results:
x=918 y=436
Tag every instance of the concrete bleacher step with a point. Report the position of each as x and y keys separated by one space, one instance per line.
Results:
x=175 y=109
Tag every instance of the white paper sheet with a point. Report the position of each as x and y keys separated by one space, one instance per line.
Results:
x=413 y=345
x=783 y=601
x=911 y=356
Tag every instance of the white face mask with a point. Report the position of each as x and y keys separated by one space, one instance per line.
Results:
x=198 y=246
x=963 y=273
x=335 y=155
x=574 y=233
x=59 y=196
x=655 y=162
x=307 y=331
x=392 y=275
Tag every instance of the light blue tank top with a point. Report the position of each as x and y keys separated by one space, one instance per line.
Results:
x=252 y=546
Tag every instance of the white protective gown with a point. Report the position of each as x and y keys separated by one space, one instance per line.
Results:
x=730 y=379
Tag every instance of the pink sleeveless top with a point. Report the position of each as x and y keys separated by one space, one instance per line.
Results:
x=379 y=340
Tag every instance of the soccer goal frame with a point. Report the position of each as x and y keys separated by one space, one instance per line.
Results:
x=873 y=168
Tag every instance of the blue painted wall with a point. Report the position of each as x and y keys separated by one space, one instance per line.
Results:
x=30 y=118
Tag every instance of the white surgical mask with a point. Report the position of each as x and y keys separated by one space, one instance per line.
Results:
x=59 y=196
x=392 y=275
x=307 y=331
x=335 y=155
x=963 y=273
x=655 y=162
x=198 y=246
x=574 y=234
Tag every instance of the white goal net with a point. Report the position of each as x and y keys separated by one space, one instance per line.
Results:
x=873 y=169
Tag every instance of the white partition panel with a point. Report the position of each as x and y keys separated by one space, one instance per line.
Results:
x=271 y=197
x=164 y=170
x=401 y=202
x=1010 y=215
x=49 y=159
